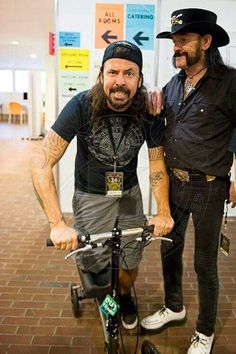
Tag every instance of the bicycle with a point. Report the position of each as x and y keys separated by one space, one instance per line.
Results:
x=106 y=296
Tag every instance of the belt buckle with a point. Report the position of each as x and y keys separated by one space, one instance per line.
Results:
x=210 y=178
x=201 y=177
x=183 y=176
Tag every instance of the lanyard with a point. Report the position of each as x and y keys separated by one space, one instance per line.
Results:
x=225 y=218
x=125 y=128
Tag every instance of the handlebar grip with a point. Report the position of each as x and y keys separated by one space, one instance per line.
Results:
x=149 y=228
x=49 y=242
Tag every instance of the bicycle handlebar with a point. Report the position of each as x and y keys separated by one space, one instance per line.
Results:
x=89 y=240
x=107 y=235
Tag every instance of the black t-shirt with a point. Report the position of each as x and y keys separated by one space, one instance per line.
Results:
x=95 y=150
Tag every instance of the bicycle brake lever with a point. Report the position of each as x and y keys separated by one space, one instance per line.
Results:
x=151 y=238
x=161 y=238
x=86 y=248
x=147 y=230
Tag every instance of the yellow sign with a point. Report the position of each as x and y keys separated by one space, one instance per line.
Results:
x=109 y=24
x=74 y=59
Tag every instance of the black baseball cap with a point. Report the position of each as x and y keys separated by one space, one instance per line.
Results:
x=124 y=50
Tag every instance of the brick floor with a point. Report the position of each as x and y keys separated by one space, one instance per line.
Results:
x=35 y=310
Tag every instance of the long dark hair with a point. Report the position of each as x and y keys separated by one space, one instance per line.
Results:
x=214 y=59
x=137 y=109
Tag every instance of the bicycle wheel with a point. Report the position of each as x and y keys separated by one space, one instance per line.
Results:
x=112 y=347
x=149 y=348
x=76 y=308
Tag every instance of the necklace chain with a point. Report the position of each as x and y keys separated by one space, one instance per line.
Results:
x=188 y=86
x=192 y=76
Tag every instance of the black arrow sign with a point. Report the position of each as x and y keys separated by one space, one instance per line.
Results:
x=106 y=37
x=138 y=38
x=73 y=66
x=72 y=89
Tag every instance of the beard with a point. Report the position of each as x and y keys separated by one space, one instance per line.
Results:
x=115 y=102
x=191 y=59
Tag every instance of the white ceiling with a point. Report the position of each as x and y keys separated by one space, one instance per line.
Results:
x=28 y=22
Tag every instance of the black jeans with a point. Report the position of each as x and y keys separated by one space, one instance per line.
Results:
x=205 y=202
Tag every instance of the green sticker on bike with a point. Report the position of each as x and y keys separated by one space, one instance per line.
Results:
x=109 y=306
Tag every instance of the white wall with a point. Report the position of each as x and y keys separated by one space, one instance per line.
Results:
x=35 y=103
x=50 y=94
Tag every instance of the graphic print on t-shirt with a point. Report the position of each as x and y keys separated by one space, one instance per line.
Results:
x=127 y=139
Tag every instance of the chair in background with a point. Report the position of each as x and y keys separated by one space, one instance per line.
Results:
x=16 y=109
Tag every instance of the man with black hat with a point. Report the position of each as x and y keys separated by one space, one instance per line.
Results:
x=200 y=114
x=111 y=122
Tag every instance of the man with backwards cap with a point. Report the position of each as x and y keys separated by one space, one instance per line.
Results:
x=110 y=122
x=200 y=115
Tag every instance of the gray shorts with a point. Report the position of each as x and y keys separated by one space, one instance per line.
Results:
x=97 y=213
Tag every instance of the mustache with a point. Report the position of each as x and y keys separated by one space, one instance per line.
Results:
x=121 y=89
x=178 y=53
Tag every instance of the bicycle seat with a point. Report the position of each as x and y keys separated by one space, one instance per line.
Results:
x=90 y=288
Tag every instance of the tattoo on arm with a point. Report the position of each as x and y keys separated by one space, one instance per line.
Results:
x=54 y=144
x=156 y=177
x=156 y=153
x=41 y=180
x=53 y=147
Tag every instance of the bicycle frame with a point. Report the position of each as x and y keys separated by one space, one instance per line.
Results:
x=113 y=324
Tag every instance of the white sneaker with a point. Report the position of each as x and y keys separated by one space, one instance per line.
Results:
x=201 y=344
x=163 y=318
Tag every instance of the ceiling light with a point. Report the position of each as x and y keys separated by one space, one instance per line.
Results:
x=33 y=56
x=15 y=42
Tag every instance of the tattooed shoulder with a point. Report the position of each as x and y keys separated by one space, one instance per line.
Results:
x=50 y=151
x=54 y=144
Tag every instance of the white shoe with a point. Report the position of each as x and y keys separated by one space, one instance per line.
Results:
x=162 y=318
x=201 y=344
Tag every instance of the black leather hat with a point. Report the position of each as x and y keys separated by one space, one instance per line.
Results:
x=196 y=21
x=124 y=50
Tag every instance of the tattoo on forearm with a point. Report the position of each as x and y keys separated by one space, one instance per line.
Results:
x=156 y=153
x=40 y=158
x=156 y=177
x=41 y=180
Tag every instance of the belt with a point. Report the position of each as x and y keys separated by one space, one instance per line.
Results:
x=185 y=176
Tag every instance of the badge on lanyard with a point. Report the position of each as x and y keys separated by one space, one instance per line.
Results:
x=224 y=239
x=114 y=184
x=114 y=180
x=224 y=244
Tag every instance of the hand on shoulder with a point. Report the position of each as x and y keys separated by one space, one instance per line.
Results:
x=155 y=101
